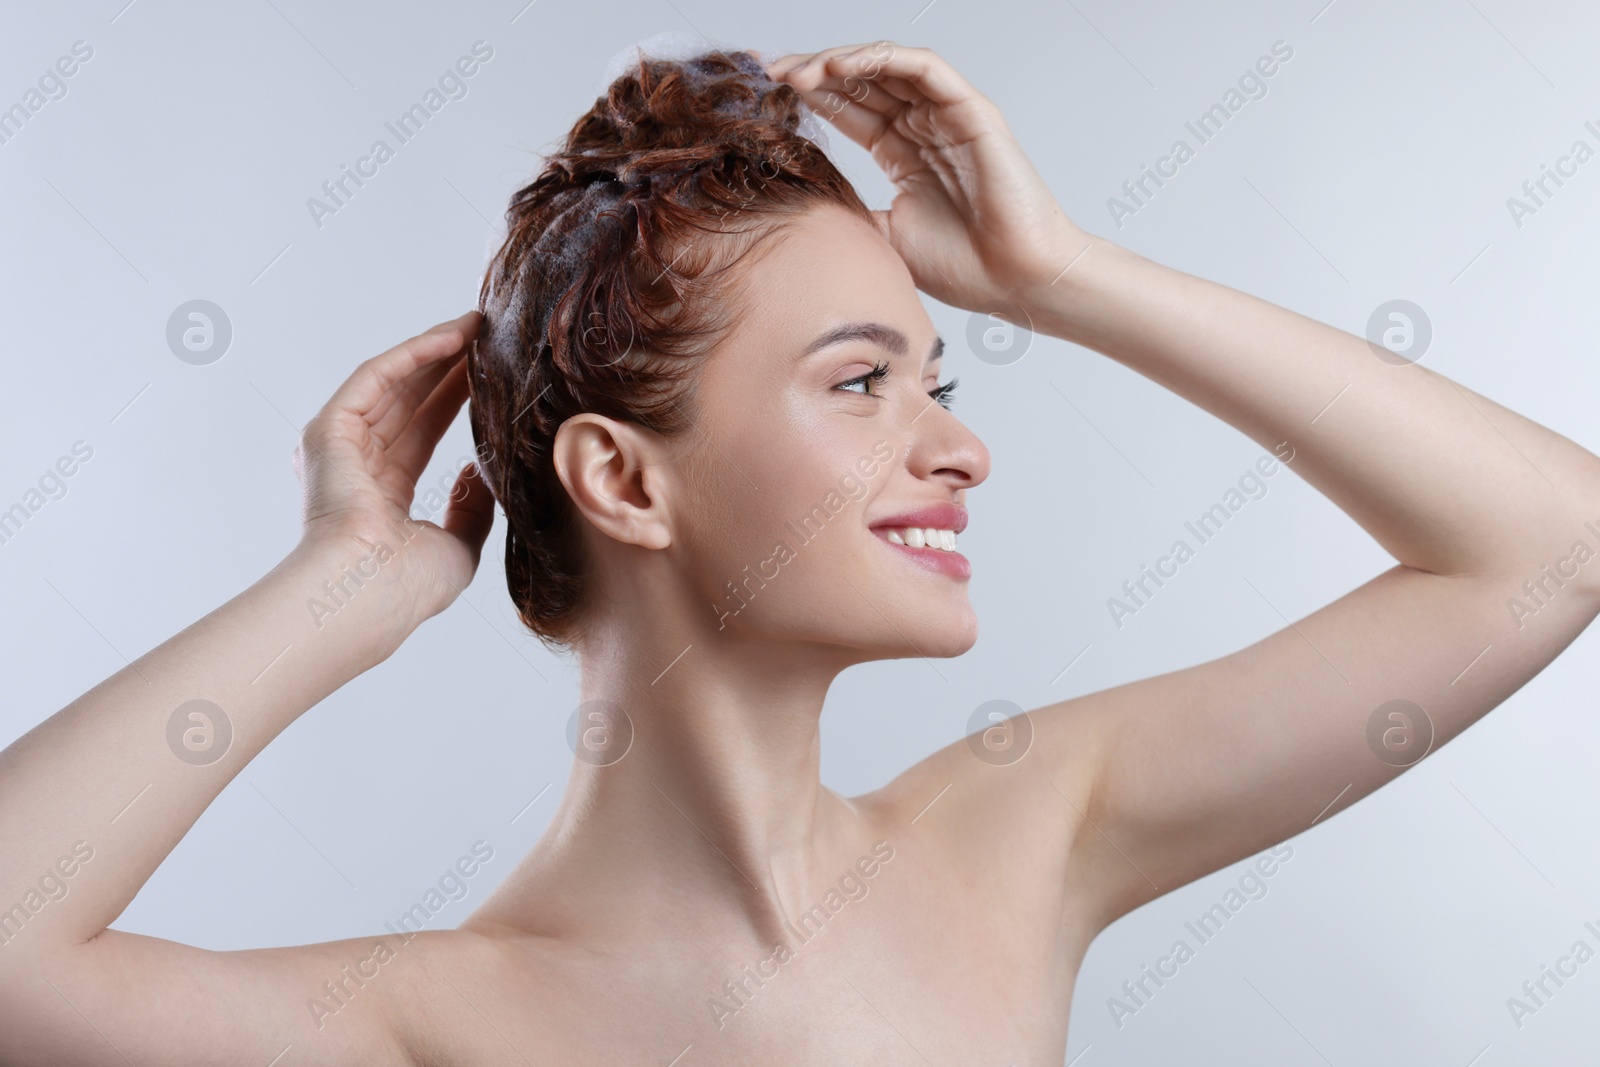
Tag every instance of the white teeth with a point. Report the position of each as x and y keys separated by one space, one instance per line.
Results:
x=922 y=536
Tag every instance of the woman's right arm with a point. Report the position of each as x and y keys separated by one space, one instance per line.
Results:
x=95 y=797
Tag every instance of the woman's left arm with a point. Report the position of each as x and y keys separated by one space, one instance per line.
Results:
x=1189 y=771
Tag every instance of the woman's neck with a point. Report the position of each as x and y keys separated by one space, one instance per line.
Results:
x=715 y=797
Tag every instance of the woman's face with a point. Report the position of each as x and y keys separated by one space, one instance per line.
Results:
x=798 y=468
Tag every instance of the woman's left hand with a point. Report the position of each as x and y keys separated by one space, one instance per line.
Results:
x=973 y=220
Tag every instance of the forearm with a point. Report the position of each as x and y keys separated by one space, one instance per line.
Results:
x=1445 y=479
x=110 y=770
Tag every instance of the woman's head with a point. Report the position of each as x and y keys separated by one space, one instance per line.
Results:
x=644 y=402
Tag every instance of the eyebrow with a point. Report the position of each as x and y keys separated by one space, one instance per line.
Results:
x=875 y=333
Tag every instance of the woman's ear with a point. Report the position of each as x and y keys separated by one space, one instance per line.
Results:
x=611 y=472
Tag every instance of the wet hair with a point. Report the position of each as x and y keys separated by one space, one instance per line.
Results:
x=613 y=284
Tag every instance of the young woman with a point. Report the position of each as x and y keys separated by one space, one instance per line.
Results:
x=707 y=396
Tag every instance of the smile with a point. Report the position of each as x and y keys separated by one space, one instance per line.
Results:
x=928 y=547
x=918 y=536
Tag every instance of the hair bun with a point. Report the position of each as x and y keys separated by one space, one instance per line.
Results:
x=667 y=116
x=681 y=47
x=677 y=45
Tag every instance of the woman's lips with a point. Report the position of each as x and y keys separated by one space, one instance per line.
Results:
x=948 y=563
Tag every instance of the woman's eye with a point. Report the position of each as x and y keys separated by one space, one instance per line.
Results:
x=945 y=394
x=941 y=395
x=876 y=374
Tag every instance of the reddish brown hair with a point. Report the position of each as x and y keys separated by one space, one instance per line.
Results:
x=607 y=291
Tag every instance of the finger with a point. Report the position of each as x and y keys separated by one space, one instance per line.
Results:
x=802 y=70
x=901 y=89
x=860 y=75
x=366 y=390
x=918 y=69
x=885 y=92
x=802 y=64
x=388 y=422
x=859 y=91
x=379 y=386
x=394 y=410
x=795 y=59
x=470 y=515
x=414 y=446
x=863 y=125
x=777 y=67
x=471 y=319
x=872 y=130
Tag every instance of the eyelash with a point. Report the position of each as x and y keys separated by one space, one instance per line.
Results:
x=941 y=396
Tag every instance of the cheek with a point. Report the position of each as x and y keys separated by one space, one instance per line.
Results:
x=780 y=482
x=787 y=509
x=739 y=483
x=770 y=462
x=803 y=486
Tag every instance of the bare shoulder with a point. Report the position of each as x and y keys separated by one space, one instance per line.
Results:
x=1005 y=803
x=446 y=984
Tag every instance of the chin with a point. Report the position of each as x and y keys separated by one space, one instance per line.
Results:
x=952 y=635
x=958 y=641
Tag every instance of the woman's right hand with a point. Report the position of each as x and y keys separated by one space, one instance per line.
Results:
x=359 y=460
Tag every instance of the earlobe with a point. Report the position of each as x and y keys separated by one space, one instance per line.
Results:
x=605 y=467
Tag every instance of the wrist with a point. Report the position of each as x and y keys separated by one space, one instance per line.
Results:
x=1072 y=302
x=348 y=593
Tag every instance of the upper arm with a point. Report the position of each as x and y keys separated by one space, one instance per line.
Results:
x=1189 y=771
x=125 y=998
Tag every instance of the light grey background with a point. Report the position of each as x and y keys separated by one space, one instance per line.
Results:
x=1377 y=166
